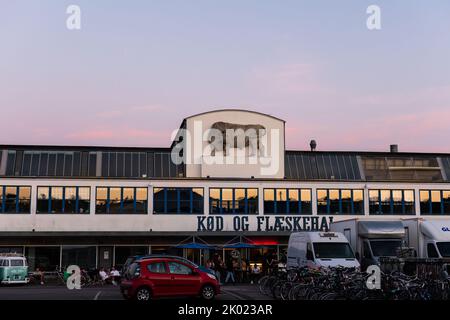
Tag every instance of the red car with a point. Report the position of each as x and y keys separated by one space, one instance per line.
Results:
x=166 y=277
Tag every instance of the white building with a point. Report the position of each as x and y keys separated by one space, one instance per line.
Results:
x=94 y=206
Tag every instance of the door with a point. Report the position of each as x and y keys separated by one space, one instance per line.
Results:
x=160 y=280
x=184 y=280
x=105 y=257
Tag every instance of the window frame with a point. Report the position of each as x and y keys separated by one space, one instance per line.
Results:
x=179 y=200
x=77 y=200
x=17 y=199
x=341 y=211
x=234 y=211
x=391 y=203
x=288 y=209
x=121 y=211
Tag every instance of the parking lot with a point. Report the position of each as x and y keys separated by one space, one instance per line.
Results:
x=108 y=292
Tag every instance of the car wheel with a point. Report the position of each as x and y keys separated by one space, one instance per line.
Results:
x=143 y=294
x=208 y=292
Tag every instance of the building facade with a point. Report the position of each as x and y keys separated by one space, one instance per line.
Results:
x=94 y=206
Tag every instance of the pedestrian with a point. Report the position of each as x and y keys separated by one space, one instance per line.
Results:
x=230 y=271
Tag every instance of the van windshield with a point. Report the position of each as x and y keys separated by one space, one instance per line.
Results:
x=17 y=263
x=388 y=248
x=333 y=250
x=444 y=249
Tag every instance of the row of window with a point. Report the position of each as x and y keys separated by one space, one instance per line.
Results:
x=76 y=200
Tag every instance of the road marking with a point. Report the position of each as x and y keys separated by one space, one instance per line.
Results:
x=97 y=295
x=233 y=294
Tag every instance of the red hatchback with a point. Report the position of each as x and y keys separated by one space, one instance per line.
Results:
x=167 y=277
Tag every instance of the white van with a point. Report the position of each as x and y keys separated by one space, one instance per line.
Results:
x=320 y=249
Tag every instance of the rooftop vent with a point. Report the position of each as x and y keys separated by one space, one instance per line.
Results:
x=313 y=145
x=394 y=148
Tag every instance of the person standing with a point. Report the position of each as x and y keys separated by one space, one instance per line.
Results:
x=230 y=271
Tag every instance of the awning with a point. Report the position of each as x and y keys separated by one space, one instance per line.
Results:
x=194 y=245
x=239 y=245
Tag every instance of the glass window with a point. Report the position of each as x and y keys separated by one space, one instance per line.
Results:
x=56 y=203
x=436 y=202
x=115 y=196
x=227 y=201
x=70 y=200
x=385 y=201
x=306 y=202
x=178 y=268
x=128 y=200
x=197 y=200
x=346 y=199
x=322 y=201
x=82 y=256
x=24 y=199
x=101 y=200
x=45 y=258
x=10 y=199
x=158 y=200
x=374 y=202
x=185 y=201
x=1 y=198
x=84 y=199
x=141 y=200
x=432 y=252
x=446 y=201
x=397 y=204
x=157 y=267
x=172 y=200
x=239 y=200
x=269 y=201
x=214 y=200
x=43 y=196
x=358 y=201
x=294 y=199
x=425 y=202
x=333 y=196
x=409 y=206
x=281 y=198
x=252 y=201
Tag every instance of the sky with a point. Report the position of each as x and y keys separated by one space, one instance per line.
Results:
x=135 y=69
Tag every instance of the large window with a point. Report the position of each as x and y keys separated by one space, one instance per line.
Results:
x=233 y=201
x=340 y=201
x=121 y=200
x=15 y=199
x=385 y=202
x=63 y=200
x=287 y=201
x=178 y=200
x=435 y=202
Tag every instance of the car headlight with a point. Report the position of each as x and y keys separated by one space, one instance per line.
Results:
x=212 y=276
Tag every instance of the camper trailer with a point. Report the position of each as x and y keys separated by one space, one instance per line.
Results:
x=320 y=249
x=430 y=237
x=372 y=239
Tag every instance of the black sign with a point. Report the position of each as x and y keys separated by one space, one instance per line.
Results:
x=266 y=223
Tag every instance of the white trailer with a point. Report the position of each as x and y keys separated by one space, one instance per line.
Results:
x=372 y=239
x=320 y=249
x=430 y=237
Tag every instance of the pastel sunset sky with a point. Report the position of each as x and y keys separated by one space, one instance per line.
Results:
x=137 y=68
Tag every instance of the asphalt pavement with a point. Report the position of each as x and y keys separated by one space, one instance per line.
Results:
x=108 y=292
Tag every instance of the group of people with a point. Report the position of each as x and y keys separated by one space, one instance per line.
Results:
x=237 y=270
x=109 y=276
x=112 y=276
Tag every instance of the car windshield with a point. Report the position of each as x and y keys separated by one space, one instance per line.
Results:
x=17 y=263
x=333 y=250
x=444 y=249
x=386 y=248
x=133 y=271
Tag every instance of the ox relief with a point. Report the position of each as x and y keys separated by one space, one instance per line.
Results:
x=224 y=135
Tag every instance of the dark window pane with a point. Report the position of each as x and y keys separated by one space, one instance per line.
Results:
x=128 y=200
x=172 y=200
x=436 y=202
x=227 y=201
x=306 y=201
x=239 y=200
x=252 y=201
x=150 y=164
x=197 y=200
x=397 y=198
x=281 y=196
x=42 y=200
x=141 y=200
x=334 y=201
x=128 y=164
x=76 y=164
x=424 y=201
x=112 y=164
x=158 y=200
x=115 y=195
x=408 y=196
x=35 y=164
x=101 y=200
x=374 y=202
x=24 y=199
x=142 y=164
x=43 y=164
x=386 y=202
x=120 y=164
x=269 y=201
x=52 y=164
x=214 y=200
x=358 y=201
x=322 y=201
x=135 y=168
x=56 y=203
x=92 y=164
x=68 y=159
x=26 y=166
x=105 y=164
x=84 y=257
x=70 y=203
x=84 y=199
x=346 y=200
x=10 y=163
x=59 y=164
x=10 y=199
x=185 y=200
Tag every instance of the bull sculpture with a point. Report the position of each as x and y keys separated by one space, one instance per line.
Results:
x=224 y=135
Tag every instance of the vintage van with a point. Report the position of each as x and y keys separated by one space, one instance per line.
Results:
x=13 y=269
